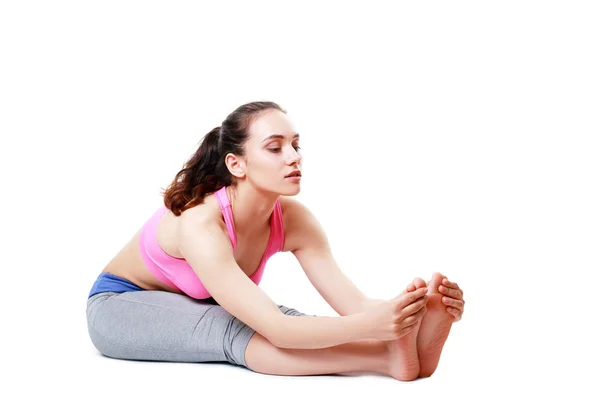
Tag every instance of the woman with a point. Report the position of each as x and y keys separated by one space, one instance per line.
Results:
x=185 y=288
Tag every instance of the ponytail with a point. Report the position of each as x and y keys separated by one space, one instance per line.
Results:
x=202 y=174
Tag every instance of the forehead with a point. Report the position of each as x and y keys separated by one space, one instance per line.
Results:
x=271 y=122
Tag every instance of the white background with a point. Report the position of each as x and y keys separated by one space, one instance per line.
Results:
x=459 y=137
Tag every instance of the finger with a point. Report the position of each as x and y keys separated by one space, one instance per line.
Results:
x=451 y=285
x=456 y=313
x=408 y=329
x=412 y=321
x=412 y=308
x=407 y=298
x=415 y=317
x=419 y=283
x=454 y=293
x=410 y=288
x=453 y=302
x=405 y=331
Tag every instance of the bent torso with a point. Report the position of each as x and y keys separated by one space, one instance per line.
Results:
x=248 y=254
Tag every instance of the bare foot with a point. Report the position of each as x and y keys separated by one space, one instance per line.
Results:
x=404 y=358
x=434 y=328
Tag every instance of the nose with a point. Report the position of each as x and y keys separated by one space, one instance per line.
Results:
x=294 y=157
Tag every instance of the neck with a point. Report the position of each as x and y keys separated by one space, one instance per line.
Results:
x=251 y=208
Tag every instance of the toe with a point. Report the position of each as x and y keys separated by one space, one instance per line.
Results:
x=419 y=283
x=434 y=283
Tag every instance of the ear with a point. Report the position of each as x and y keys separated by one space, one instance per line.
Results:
x=235 y=165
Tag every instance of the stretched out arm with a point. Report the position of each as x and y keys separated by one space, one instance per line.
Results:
x=207 y=249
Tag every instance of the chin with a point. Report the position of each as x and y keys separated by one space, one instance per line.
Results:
x=290 y=190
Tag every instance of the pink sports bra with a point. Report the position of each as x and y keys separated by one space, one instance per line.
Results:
x=177 y=273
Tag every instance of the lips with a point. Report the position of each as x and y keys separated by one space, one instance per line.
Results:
x=295 y=173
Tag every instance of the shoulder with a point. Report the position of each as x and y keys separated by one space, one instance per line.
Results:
x=300 y=225
x=289 y=206
x=205 y=215
x=293 y=211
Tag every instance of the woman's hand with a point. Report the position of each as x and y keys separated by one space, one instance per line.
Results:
x=452 y=298
x=392 y=319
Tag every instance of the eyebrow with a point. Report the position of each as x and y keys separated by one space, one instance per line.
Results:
x=297 y=135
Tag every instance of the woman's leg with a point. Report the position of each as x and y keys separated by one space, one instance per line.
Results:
x=163 y=326
x=392 y=358
x=363 y=356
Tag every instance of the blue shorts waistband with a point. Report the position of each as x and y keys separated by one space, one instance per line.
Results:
x=107 y=282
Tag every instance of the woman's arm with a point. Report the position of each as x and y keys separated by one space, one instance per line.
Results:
x=207 y=249
x=368 y=304
x=308 y=332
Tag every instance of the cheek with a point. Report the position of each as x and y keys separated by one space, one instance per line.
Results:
x=263 y=165
x=270 y=160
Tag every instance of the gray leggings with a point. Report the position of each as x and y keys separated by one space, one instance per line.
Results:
x=156 y=325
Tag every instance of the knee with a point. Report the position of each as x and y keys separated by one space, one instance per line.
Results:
x=99 y=342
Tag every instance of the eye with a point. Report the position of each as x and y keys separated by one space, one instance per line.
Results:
x=278 y=149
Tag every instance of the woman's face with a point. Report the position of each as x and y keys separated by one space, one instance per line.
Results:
x=272 y=152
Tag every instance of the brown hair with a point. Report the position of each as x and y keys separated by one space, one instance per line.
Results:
x=205 y=171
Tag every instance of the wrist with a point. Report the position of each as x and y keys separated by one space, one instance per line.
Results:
x=363 y=326
x=370 y=303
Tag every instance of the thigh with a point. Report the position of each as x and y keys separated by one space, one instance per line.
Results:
x=160 y=326
x=164 y=326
